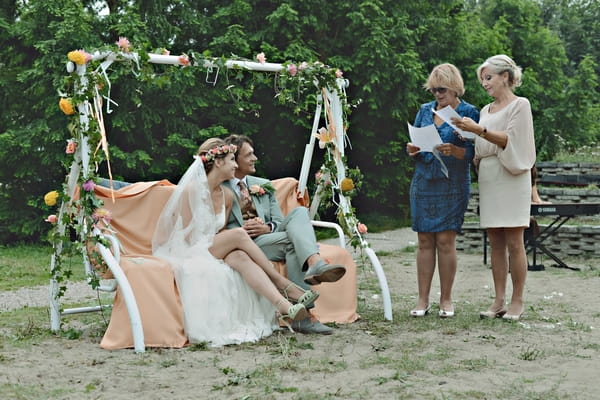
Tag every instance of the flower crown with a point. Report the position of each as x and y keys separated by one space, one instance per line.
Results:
x=211 y=154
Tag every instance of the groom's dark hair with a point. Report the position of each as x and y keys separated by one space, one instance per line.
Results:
x=238 y=141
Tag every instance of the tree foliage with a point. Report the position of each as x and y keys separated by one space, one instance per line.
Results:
x=384 y=49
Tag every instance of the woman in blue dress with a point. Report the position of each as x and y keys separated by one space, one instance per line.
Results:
x=438 y=202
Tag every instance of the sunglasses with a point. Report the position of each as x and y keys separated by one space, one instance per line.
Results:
x=440 y=90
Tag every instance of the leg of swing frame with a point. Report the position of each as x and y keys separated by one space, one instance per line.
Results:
x=383 y=285
x=128 y=296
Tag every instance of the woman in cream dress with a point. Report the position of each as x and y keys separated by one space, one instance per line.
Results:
x=505 y=154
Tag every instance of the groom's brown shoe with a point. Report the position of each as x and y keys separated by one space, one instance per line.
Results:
x=323 y=272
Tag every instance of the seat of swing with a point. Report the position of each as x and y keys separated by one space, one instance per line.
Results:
x=135 y=211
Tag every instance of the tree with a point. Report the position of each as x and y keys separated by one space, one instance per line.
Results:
x=386 y=52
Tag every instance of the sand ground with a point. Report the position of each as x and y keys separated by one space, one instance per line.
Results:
x=553 y=353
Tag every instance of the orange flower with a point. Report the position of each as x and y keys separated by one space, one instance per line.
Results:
x=324 y=137
x=184 y=60
x=347 y=185
x=66 y=106
x=71 y=146
x=51 y=218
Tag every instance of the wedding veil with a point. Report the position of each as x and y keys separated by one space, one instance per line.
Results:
x=187 y=223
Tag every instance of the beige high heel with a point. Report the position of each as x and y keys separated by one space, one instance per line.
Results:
x=308 y=297
x=294 y=313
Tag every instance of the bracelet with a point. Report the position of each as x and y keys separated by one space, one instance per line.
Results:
x=482 y=135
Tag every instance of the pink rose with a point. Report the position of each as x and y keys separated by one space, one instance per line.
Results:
x=123 y=44
x=52 y=219
x=88 y=56
x=362 y=228
x=338 y=73
x=184 y=60
x=292 y=69
x=88 y=186
x=261 y=57
x=254 y=189
x=71 y=146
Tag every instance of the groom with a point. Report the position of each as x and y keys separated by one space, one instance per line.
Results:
x=290 y=239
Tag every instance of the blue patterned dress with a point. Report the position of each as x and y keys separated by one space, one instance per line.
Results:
x=438 y=203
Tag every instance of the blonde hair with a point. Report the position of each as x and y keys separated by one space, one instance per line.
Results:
x=502 y=63
x=448 y=76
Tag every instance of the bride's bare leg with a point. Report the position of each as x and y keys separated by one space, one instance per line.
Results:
x=229 y=240
x=257 y=279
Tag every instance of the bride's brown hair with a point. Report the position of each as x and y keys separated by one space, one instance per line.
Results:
x=212 y=149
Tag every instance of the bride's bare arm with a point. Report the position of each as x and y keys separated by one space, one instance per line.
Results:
x=228 y=203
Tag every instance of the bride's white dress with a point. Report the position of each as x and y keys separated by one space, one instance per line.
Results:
x=218 y=305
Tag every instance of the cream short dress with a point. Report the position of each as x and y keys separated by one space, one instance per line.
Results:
x=505 y=174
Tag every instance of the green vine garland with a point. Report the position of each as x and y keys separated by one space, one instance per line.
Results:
x=80 y=214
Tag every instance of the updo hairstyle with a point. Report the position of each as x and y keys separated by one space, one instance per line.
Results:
x=499 y=64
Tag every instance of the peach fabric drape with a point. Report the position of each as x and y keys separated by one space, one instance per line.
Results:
x=338 y=300
x=134 y=215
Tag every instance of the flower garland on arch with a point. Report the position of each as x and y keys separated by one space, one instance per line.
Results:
x=81 y=212
x=81 y=99
x=294 y=83
x=336 y=183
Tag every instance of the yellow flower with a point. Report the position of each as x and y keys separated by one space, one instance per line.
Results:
x=66 y=106
x=50 y=198
x=347 y=185
x=77 y=57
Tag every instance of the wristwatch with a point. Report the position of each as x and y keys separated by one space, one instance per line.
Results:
x=482 y=135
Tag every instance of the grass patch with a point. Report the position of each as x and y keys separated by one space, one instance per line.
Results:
x=31 y=325
x=585 y=154
x=29 y=265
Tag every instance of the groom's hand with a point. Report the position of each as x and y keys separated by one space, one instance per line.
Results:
x=256 y=227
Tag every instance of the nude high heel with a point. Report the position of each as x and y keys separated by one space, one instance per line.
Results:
x=294 y=313
x=308 y=297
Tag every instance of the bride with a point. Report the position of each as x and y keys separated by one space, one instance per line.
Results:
x=229 y=290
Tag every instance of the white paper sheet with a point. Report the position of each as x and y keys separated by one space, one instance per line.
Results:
x=446 y=114
x=426 y=138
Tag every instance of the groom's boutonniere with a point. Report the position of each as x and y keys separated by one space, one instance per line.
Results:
x=259 y=190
